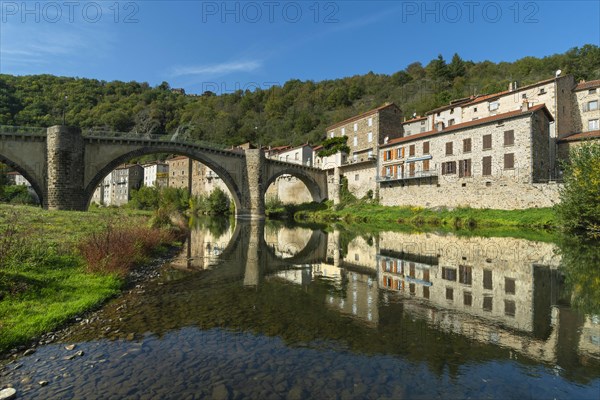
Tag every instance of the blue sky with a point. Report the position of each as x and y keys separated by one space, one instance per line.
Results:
x=223 y=46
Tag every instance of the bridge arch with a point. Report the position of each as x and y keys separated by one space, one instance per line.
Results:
x=316 y=191
x=27 y=174
x=108 y=166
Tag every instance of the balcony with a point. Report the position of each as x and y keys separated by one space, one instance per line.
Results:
x=408 y=176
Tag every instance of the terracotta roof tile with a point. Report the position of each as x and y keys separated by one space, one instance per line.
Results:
x=361 y=116
x=587 y=85
x=469 y=124
x=581 y=136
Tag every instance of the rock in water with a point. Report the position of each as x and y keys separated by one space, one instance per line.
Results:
x=8 y=394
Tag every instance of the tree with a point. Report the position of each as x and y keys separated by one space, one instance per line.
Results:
x=437 y=69
x=457 y=67
x=579 y=207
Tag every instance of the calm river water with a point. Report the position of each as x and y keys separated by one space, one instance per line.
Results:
x=288 y=312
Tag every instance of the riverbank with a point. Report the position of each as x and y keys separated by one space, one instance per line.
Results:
x=46 y=278
x=458 y=218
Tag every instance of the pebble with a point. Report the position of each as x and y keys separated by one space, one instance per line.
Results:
x=7 y=394
x=43 y=383
x=70 y=347
x=28 y=352
x=220 y=392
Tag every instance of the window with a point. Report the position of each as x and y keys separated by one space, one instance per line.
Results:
x=475 y=109
x=343 y=131
x=355 y=157
x=425 y=165
x=593 y=125
x=296 y=156
x=542 y=91
x=449 y=293
x=510 y=308
x=370 y=137
x=411 y=150
x=355 y=141
x=464 y=168
x=387 y=155
x=487 y=166
x=449 y=168
x=487 y=303
x=494 y=106
x=487 y=279
x=592 y=105
x=426 y=292
x=370 y=121
x=467 y=145
x=356 y=177
x=399 y=152
x=524 y=96
x=467 y=299
x=451 y=122
x=487 y=142
x=355 y=127
x=449 y=148
x=509 y=137
x=509 y=161
x=591 y=91
x=509 y=286
x=449 y=274
x=411 y=169
x=452 y=111
x=465 y=274
x=425 y=147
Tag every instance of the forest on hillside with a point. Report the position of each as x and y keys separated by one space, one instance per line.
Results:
x=297 y=112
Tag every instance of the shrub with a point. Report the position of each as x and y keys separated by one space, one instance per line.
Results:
x=117 y=249
x=579 y=208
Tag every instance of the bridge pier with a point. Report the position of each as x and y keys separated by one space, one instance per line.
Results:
x=253 y=201
x=65 y=158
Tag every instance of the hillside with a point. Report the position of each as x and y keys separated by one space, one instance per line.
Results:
x=295 y=113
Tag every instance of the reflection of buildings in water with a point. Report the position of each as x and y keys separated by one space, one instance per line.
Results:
x=354 y=293
x=589 y=342
x=362 y=253
x=359 y=297
x=494 y=290
x=287 y=242
x=202 y=249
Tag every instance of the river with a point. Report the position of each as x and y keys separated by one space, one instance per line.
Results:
x=283 y=311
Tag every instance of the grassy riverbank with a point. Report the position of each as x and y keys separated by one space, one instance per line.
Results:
x=56 y=265
x=459 y=218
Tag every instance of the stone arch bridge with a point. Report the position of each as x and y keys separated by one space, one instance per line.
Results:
x=64 y=167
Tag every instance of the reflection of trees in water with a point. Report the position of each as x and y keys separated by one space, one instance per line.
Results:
x=581 y=268
x=216 y=226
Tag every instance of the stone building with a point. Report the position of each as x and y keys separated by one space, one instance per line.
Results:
x=587 y=107
x=501 y=162
x=365 y=133
x=116 y=188
x=156 y=174
x=17 y=179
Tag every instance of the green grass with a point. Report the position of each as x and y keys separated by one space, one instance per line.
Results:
x=459 y=219
x=44 y=282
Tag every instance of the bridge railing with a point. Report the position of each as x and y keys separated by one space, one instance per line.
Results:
x=176 y=138
x=23 y=130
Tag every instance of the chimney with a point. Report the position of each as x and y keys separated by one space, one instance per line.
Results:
x=525 y=105
x=510 y=87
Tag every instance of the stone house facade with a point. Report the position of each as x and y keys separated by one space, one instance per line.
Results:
x=116 y=188
x=156 y=174
x=500 y=162
x=587 y=107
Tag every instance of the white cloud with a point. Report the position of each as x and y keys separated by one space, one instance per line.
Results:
x=213 y=70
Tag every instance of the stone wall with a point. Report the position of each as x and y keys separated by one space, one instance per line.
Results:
x=289 y=190
x=361 y=177
x=65 y=157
